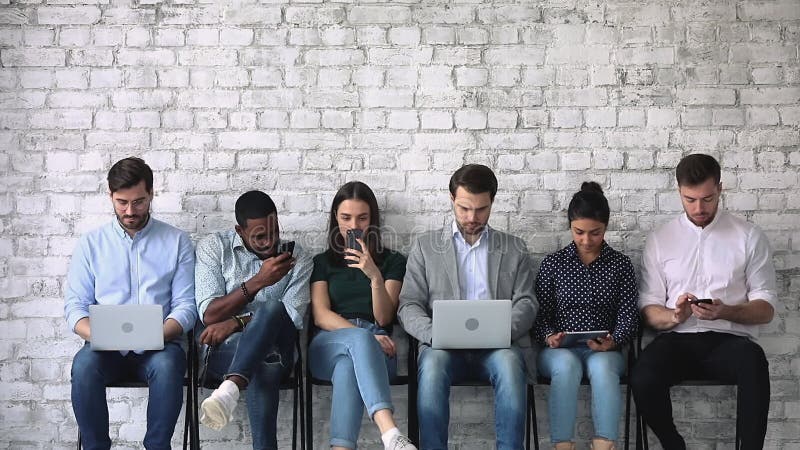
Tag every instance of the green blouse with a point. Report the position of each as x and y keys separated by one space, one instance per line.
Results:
x=349 y=288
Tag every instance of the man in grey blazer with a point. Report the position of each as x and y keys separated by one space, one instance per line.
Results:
x=470 y=261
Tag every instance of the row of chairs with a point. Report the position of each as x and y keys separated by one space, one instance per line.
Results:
x=301 y=383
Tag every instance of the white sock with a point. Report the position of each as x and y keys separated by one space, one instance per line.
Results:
x=387 y=437
x=230 y=388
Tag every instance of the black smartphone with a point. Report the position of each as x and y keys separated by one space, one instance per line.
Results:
x=352 y=235
x=697 y=301
x=286 y=247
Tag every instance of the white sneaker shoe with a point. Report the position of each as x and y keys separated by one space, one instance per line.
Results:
x=218 y=407
x=400 y=442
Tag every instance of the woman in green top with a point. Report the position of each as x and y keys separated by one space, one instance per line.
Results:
x=354 y=297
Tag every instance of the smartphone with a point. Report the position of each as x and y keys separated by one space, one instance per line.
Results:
x=697 y=301
x=286 y=247
x=352 y=235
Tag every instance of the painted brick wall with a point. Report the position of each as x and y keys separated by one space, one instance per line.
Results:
x=296 y=98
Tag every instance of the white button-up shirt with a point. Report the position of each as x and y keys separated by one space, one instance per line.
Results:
x=473 y=265
x=730 y=259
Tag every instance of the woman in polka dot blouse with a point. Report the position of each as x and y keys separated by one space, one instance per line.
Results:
x=585 y=286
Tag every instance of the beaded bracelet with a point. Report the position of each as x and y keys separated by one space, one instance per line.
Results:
x=245 y=292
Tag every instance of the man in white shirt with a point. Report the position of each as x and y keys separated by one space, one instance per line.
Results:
x=707 y=284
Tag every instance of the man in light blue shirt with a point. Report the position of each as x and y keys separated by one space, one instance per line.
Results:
x=134 y=259
x=470 y=261
x=252 y=293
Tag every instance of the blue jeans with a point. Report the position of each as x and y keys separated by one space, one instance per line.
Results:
x=359 y=370
x=163 y=371
x=262 y=354
x=503 y=368
x=565 y=368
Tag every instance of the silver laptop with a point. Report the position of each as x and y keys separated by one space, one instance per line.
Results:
x=127 y=327
x=471 y=324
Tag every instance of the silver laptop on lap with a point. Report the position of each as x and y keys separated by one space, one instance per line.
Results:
x=126 y=327
x=467 y=324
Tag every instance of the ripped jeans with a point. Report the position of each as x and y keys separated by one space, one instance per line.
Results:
x=262 y=354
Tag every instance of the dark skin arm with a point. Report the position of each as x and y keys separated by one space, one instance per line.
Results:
x=218 y=315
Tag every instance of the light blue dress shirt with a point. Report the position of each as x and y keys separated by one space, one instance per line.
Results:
x=473 y=265
x=223 y=263
x=156 y=266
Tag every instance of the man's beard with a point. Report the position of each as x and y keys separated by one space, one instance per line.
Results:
x=133 y=222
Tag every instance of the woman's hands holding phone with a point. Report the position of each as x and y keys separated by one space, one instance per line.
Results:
x=361 y=259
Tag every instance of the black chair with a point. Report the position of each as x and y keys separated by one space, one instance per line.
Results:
x=624 y=380
x=641 y=424
x=293 y=381
x=399 y=380
x=414 y=353
x=189 y=440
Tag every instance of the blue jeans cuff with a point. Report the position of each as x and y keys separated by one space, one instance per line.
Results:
x=228 y=375
x=379 y=406
x=336 y=442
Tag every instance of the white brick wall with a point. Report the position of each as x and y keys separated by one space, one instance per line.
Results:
x=297 y=97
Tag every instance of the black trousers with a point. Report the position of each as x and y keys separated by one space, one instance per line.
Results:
x=674 y=357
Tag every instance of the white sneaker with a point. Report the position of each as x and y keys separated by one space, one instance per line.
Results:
x=218 y=408
x=400 y=442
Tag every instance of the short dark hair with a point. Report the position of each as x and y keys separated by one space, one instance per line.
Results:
x=696 y=169
x=127 y=173
x=253 y=205
x=355 y=190
x=589 y=203
x=476 y=179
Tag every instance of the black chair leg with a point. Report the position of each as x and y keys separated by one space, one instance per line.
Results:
x=309 y=416
x=534 y=422
x=627 y=417
x=295 y=394
x=643 y=424
x=302 y=411
x=528 y=415
x=413 y=418
x=79 y=439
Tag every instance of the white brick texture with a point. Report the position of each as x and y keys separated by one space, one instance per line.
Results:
x=298 y=97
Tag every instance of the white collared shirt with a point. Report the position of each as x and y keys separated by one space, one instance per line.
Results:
x=730 y=259
x=473 y=265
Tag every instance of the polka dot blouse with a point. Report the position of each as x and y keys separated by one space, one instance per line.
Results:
x=577 y=297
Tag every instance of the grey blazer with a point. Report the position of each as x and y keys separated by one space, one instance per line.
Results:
x=432 y=274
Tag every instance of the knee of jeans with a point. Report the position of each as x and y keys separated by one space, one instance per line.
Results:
x=168 y=365
x=360 y=337
x=270 y=306
x=85 y=367
x=268 y=373
x=605 y=365
x=564 y=363
x=433 y=366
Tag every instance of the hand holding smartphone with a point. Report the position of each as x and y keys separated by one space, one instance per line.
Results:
x=697 y=301
x=352 y=235
x=286 y=247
